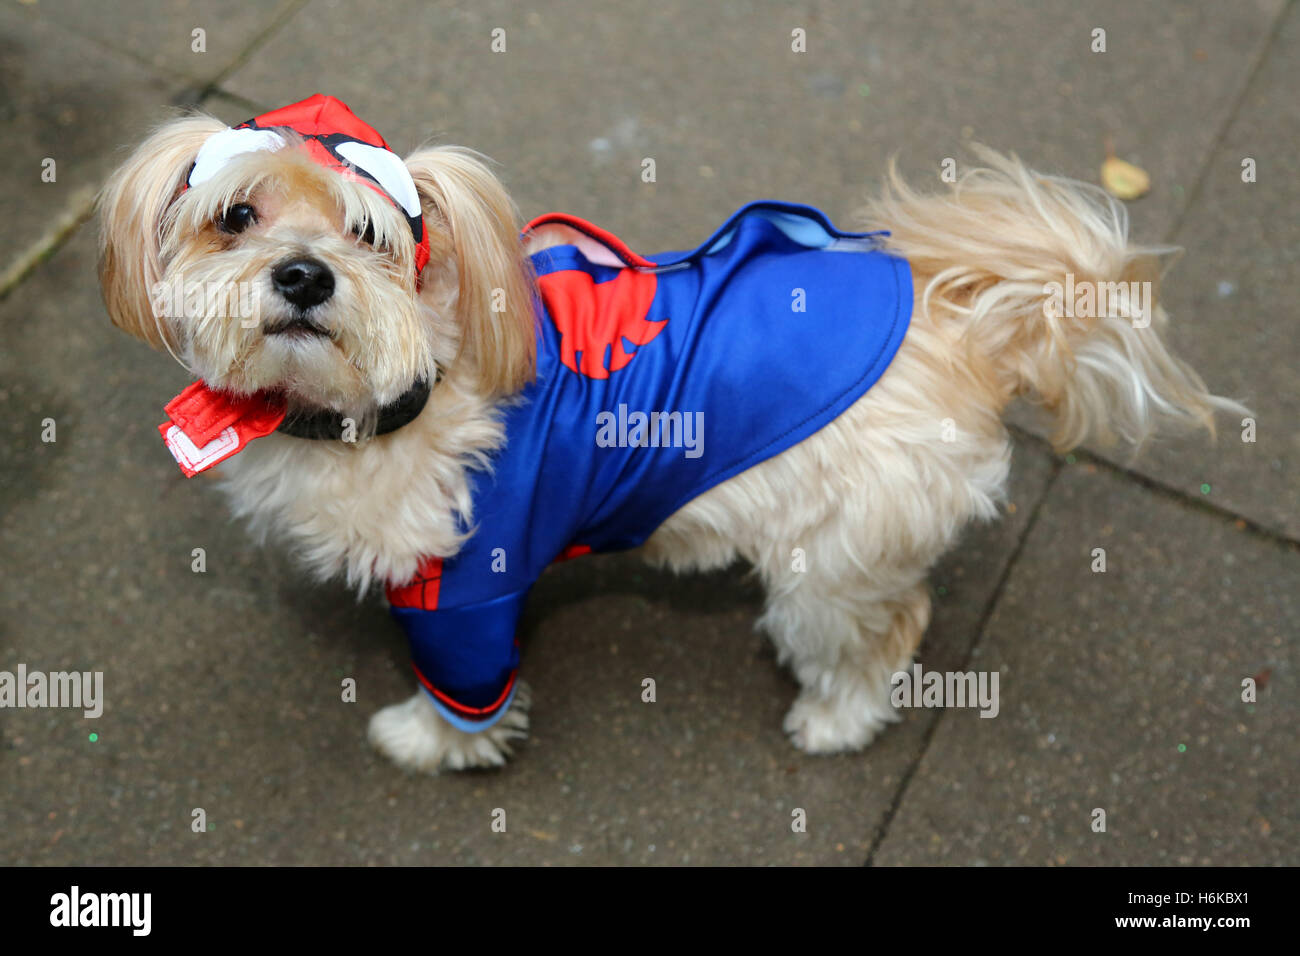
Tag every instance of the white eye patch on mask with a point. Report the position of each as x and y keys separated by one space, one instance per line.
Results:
x=337 y=150
x=220 y=148
x=383 y=166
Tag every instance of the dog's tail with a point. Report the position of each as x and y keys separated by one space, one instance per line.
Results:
x=1036 y=275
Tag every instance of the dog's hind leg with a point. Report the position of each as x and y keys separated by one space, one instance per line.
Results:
x=844 y=637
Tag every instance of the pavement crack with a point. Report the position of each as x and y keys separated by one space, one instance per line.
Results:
x=1220 y=137
x=1171 y=492
x=288 y=9
x=79 y=208
x=1012 y=560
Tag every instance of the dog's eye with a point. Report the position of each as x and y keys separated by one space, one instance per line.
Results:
x=237 y=218
x=365 y=233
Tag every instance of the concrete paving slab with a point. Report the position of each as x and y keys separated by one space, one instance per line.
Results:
x=1234 y=315
x=190 y=41
x=1122 y=691
x=223 y=687
x=716 y=96
x=63 y=99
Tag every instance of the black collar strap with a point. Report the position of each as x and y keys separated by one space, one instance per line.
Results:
x=326 y=425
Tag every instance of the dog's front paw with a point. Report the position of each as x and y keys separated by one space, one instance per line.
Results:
x=415 y=736
x=820 y=725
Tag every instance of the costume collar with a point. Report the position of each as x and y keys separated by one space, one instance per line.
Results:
x=324 y=424
x=805 y=226
x=205 y=427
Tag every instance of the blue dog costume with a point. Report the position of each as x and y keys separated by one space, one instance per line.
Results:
x=657 y=378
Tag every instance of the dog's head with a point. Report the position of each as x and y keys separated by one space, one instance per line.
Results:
x=296 y=254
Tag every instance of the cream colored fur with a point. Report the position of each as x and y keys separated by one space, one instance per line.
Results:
x=871 y=501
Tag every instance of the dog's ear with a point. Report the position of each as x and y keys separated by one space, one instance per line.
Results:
x=494 y=280
x=131 y=208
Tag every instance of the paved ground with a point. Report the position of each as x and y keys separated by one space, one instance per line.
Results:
x=1119 y=691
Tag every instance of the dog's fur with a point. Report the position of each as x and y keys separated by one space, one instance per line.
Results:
x=872 y=499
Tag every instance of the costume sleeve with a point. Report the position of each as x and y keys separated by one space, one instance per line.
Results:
x=466 y=657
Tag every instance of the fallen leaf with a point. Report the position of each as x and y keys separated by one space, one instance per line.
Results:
x=1124 y=180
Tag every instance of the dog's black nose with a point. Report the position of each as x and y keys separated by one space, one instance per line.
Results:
x=304 y=282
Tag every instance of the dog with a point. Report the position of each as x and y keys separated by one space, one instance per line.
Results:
x=422 y=398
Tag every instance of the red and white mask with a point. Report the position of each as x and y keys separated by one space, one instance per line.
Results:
x=333 y=137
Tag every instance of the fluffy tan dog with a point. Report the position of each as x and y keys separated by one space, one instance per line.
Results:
x=873 y=498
